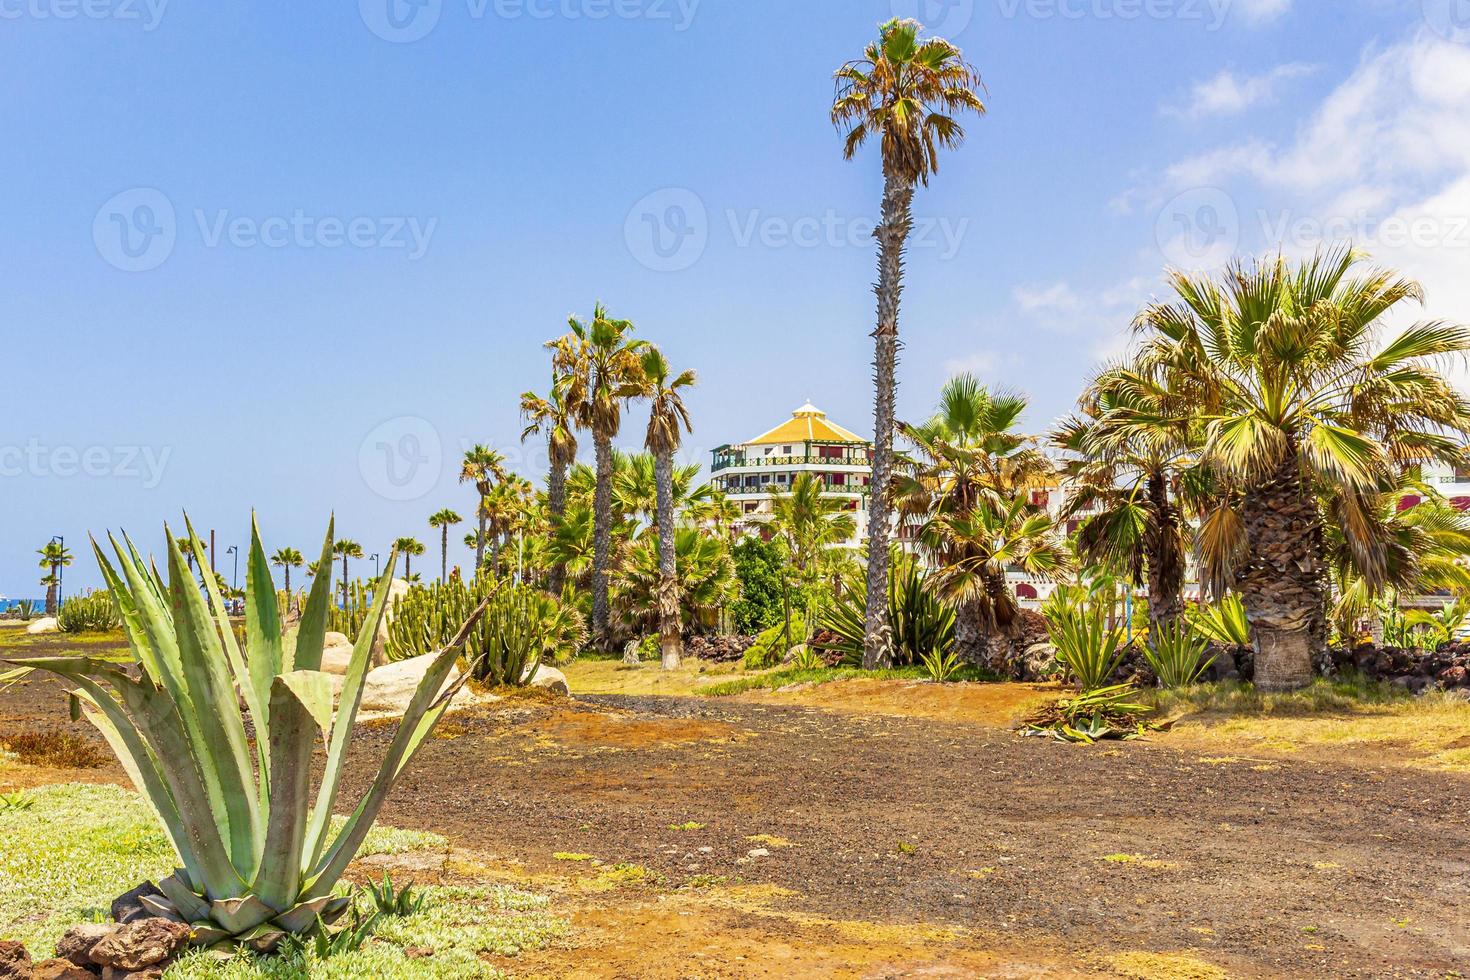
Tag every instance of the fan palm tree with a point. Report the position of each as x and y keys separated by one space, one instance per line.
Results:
x=906 y=93
x=552 y=416
x=807 y=523
x=444 y=520
x=667 y=416
x=54 y=557
x=1132 y=470
x=409 y=548
x=484 y=467
x=715 y=509
x=967 y=456
x=600 y=366
x=287 y=559
x=1285 y=365
x=345 y=549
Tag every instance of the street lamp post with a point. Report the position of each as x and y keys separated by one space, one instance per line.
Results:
x=234 y=549
x=376 y=572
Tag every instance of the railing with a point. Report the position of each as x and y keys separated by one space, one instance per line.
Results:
x=732 y=461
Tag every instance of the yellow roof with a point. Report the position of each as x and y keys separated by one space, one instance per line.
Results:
x=807 y=424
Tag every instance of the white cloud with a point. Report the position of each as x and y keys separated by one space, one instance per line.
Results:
x=1058 y=298
x=1258 y=12
x=1228 y=94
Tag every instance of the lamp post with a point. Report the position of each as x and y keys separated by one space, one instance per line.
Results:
x=234 y=549
x=376 y=573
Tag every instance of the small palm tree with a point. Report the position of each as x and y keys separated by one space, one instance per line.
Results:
x=409 y=548
x=484 y=467
x=807 y=523
x=906 y=93
x=600 y=366
x=552 y=415
x=1284 y=365
x=287 y=559
x=667 y=416
x=54 y=557
x=444 y=520
x=345 y=549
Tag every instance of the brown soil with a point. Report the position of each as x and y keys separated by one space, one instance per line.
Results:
x=850 y=841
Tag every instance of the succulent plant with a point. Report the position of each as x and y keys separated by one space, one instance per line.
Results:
x=259 y=854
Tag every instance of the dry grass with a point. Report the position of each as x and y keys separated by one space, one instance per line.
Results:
x=1165 y=966
x=614 y=677
x=55 y=749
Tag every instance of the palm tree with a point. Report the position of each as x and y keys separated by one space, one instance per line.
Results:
x=906 y=93
x=54 y=557
x=667 y=415
x=807 y=523
x=715 y=509
x=1134 y=474
x=967 y=456
x=1284 y=365
x=346 y=549
x=484 y=467
x=287 y=559
x=409 y=548
x=444 y=520
x=553 y=416
x=601 y=369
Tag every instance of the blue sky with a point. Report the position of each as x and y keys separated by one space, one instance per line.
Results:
x=296 y=257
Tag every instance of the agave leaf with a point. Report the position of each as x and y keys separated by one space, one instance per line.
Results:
x=263 y=939
x=292 y=738
x=132 y=619
x=182 y=897
x=262 y=636
x=161 y=907
x=206 y=933
x=341 y=734
x=303 y=916
x=219 y=730
x=335 y=908
x=311 y=635
x=240 y=914
x=153 y=615
x=313 y=689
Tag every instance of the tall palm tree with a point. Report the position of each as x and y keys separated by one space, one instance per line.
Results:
x=965 y=457
x=54 y=557
x=667 y=415
x=1134 y=474
x=552 y=416
x=906 y=93
x=345 y=549
x=1286 y=367
x=287 y=559
x=484 y=467
x=409 y=548
x=444 y=520
x=601 y=369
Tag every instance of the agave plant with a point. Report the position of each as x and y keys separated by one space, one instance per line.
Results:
x=1225 y=622
x=1087 y=646
x=1176 y=654
x=918 y=620
x=260 y=856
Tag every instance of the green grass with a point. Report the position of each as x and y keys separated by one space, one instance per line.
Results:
x=76 y=848
x=796 y=675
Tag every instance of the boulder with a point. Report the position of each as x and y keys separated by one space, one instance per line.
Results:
x=141 y=944
x=77 y=943
x=552 y=680
x=46 y=624
x=1036 y=661
x=61 y=970
x=15 y=962
x=388 y=690
x=128 y=907
x=336 y=656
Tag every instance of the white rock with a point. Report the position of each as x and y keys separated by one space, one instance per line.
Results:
x=388 y=689
x=336 y=657
x=336 y=639
x=44 y=625
x=551 y=679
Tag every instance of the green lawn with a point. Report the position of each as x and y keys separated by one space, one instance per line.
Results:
x=70 y=850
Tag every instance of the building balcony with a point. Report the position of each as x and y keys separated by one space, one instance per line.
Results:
x=786 y=462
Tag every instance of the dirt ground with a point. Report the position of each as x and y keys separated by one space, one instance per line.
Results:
x=827 y=834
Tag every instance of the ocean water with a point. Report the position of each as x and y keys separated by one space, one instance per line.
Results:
x=5 y=604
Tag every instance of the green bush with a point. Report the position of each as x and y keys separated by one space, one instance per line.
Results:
x=770 y=647
x=921 y=623
x=1087 y=647
x=521 y=628
x=1176 y=654
x=758 y=565
x=93 y=612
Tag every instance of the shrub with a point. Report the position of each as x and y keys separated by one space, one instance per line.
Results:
x=1105 y=713
x=1225 y=622
x=1087 y=647
x=920 y=622
x=769 y=649
x=94 y=612
x=941 y=666
x=260 y=855
x=55 y=749
x=521 y=628
x=758 y=566
x=1176 y=654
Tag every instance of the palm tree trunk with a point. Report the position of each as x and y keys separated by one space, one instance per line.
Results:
x=495 y=556
x=51 y=593
x=601 y=538
x=1163 y=542
x=480 y=539
x=556 y=492
x=1282 y=583
x=288 y=589
x=444 y=555
x=1003 y=610
x=344 y=581
x=969 y=632
x=892 y=234
x=671 y=636
x=407 y=567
